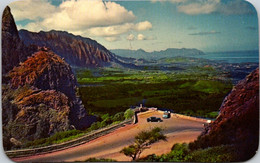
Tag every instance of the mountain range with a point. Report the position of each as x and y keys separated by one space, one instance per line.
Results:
x=84 y=52
x=155 y=55
x=76 y=50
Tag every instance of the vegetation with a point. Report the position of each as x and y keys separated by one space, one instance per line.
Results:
x=99 y=160
x=195 y=91
x=190 y=97
x=129 y=113
x=213 y=154
x=182 y=153
x=60 y=137
x=143 y=141
x=104 y=76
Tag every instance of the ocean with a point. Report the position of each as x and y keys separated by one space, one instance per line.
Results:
x=233 y=57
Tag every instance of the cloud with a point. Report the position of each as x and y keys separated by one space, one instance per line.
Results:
x=143 y=37
x=173 y=1
x=32 y=9
x=130 y=37
x=204 y=33
x=72 y=15
x=119 y=29
x=199 y=7
x=237 y=7
x=146 y=25
x=80 y=17
x=140 y=37
x=112 y=39
x=80 y=14
x=231 y=7
x=110 y=30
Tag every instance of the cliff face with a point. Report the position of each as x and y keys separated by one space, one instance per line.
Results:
x=47 y=71
x=13 y=49
x=76 y=50
x=39 y=97
x=33 y=114
x=238 y=121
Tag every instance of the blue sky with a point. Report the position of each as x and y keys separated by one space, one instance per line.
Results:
x=208 y=25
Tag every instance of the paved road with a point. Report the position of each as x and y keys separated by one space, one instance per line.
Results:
x=177 y=130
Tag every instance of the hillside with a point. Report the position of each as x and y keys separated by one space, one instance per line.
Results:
x=76 y=50
x=238 y=121
x=168 y=53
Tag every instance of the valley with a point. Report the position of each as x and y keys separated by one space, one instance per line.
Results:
x=67 y=97
x=196 y=87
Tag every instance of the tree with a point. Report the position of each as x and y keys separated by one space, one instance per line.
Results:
x=143 y=141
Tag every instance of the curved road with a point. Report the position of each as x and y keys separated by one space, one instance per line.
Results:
x=176 y=129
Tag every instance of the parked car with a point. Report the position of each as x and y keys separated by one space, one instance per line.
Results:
x=154 y=119
x=166 y=114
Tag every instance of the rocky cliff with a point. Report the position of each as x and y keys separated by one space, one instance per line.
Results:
x=45 y=70
x=238 y=121
x=76 y=50
x=39 y=96
x=41 y=99
x=13 y=49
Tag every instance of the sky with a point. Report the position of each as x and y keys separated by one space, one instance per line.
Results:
x=207 y=25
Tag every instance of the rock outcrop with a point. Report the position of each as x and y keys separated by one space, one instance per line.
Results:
x=33 y=114
x=238 y=121
x=76 y=50
x=45 y=70
x=39 y=95
x=42 y=99
x=13 y=49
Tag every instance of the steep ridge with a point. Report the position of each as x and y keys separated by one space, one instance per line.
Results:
x=39 y=95
x=13 y=49
x=76 y=50
x=238 y=121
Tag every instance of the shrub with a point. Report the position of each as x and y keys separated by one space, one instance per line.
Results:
x=118 y=117
x=149 y=158
x=223 y=153
x=177 y=154
x=57 y=137
x=99 y=160
x=129 y=113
